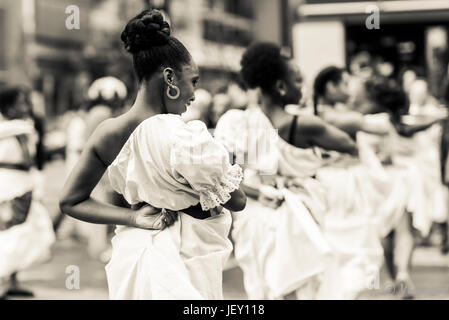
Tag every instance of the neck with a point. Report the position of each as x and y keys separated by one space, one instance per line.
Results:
x=149 y=102
x=326 y=101
x=270 y=107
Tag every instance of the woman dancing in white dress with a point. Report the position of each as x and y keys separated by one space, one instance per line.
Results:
x=287 y=254
x=356 y=187
x=26 y=230
x=168 y=164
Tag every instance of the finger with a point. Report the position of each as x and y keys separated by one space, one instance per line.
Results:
x=161 y=224
x=152 y=210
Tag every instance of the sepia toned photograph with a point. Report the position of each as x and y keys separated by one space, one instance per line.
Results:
x=242 y=151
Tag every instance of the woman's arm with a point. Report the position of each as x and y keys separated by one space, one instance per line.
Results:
x=318 y=132
x=76 y=200
x=409 y=130
x=237 y=201
x=351 y=122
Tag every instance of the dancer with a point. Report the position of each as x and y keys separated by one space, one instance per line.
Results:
x=356 y=187
x=174 y=165
x=26 y=230
x=286 y=255
x=331 y=93
x=397 y=151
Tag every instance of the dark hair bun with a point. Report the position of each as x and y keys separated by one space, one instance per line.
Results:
x=262 y=64
x=148 y=29
x=387 y=93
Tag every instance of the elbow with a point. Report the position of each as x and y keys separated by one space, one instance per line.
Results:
x=64 y=205
x=239 y=203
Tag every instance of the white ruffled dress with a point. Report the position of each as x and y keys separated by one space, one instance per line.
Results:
x=279 y=250
x=28 y=243
x=357 y=189
x=171 y=164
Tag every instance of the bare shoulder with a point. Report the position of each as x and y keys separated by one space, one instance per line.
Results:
x=108 y=138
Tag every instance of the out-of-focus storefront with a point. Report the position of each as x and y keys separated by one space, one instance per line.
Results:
x=409 y=33
x=217 y=32
x=38 y=50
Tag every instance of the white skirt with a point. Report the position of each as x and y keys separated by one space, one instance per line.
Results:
x=280 y=250
x=351 y=228
x=184 y=261
x=28 y=243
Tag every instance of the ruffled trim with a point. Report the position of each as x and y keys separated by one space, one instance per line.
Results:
x=220 y=193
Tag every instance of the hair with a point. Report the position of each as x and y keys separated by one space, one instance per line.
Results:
x=331 y=73
x=8 y=98
x=388 y=94
x=262 y=65
x=147 y=37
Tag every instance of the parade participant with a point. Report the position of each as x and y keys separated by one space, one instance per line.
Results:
x=397 y=150
x=356 y=187
x=278 y=242
x=432 y=200
x=331 y=93
x=160 y=165
x=26 y=230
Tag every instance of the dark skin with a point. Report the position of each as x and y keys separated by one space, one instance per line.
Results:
x=108 y=139
x=310 y=130
x=349 y=121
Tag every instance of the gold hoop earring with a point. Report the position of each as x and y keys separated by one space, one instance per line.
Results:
x=176 y=95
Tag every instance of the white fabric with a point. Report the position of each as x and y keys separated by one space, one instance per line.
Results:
x=419 y=156
x=279 y=250
x=182 y=161
x=174 y=165
x=184 y=261
x=355 y=189
x=28 y=243
x=12 y=128
x=14 y=183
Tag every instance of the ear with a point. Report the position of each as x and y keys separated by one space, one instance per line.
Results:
x=169 y=75
x=281 y=87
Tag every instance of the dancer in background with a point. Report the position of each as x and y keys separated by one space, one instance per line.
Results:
x=398 y=150
x=356 y=187
x=26 y=231
x=157 y=166
x=331 y=93
x=278 y=242
x=432 y=201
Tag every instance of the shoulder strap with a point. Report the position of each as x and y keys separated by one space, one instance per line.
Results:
x=292 y=131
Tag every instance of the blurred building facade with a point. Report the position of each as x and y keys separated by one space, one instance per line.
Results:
x=410 y=33
x=217 y=32
x=37 y=49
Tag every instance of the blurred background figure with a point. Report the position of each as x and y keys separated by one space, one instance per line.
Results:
x=200 y=108
x=221 y=103
x=26 y=232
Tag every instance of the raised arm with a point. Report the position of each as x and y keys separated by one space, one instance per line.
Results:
x=317 y=132
x=76 y=201
x=409 y=130
x=351 y=122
